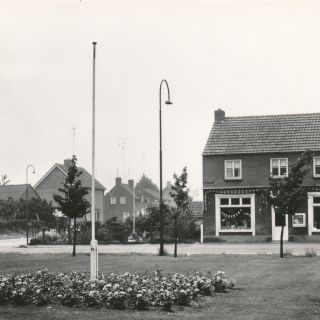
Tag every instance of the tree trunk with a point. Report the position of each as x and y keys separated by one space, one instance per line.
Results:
x=281 y=241
x=74 y=237
x=175 y=237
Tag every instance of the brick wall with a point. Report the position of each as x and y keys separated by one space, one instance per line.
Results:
x=111 y=210
x=255 y=170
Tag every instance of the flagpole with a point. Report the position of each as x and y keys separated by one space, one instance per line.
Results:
x=94 y=242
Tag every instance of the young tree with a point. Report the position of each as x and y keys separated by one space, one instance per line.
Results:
x=180 y=194
x=285 y=194
x=146 y=183
x=73 y=203
x=4 y=180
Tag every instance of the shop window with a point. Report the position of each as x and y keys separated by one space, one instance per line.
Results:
x=232 y=169
x=279 y=167
x=235 y=213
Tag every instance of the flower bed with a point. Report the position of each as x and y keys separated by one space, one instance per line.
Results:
x=113 y=291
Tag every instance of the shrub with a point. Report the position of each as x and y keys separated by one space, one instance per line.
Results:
x=35 y=241
x=310 y=253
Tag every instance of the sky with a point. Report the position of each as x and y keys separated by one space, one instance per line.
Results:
x=244 y=57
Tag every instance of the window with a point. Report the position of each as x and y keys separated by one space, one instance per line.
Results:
x=316 y=166
x=122 y=200
x=113 y=200
x=232 y=169
x=299 y=220
x=279 y=167
x=125 y=215
x=98 y=215
x=313 y=219
x=235 y=213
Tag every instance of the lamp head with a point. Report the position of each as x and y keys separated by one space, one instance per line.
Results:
x=34 y=171
x=168 y=102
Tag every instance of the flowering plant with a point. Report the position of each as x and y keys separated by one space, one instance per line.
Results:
x=115 y=291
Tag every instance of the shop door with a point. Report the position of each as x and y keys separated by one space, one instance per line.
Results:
x=276 y=227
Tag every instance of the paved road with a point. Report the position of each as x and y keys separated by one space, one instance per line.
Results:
x=299 y=248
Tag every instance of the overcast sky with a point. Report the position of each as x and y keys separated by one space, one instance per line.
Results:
x=245 y=57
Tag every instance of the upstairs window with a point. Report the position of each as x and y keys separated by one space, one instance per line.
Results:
x=113 y=200
x=279 y=167
x=122 y=200
x=316 y=166
x=232 y=169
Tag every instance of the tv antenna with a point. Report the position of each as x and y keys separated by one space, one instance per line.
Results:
x=122 y=143
x=73 y=134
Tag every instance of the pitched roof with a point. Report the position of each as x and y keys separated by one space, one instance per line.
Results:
x=15 y=191
x=86 y=177
x=196 y=208
x=153 y=193
x=265 y=134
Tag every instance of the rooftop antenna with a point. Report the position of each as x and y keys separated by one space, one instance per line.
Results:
x=73 y=134
x=122 y=143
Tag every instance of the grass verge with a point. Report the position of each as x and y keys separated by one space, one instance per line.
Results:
x=267 y=287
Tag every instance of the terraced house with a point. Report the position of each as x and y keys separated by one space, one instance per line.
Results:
x=240 y=154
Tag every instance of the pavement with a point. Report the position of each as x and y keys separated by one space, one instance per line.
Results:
x=270 y=248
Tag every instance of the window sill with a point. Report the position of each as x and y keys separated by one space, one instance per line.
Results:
x=235 y=230
x=232 y=179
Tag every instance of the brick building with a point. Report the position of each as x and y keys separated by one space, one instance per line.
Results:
x=48 y=185
x=119 y=200
x=239 y=155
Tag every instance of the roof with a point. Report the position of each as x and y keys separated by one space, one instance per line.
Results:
x=85 y=177
x=265 y=134
x=153 y=193
x=15 y=191
x=196 y=208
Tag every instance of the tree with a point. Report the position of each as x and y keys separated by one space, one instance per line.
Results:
x=8 y=209
x=146 y=183
x=180 y=194
x=4 y=180
x=73 y=203
x=37 y=208
x=285 y=194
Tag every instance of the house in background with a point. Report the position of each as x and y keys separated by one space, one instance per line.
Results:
x=48 y=185
x=119 y=200
x=239 y=155
x=166 y=196
x=17 y=192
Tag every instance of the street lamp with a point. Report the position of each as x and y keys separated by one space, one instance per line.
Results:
x=34 y=171
x=94 y=242
x=161 y=253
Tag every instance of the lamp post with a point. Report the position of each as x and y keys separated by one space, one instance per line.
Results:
x=94 y=242
x=161 y=253
x=34 y=171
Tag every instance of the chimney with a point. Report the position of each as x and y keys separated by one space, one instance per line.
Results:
x=67 y=162
x=130 y=183
x=118 y=181
x=219 y=116
x=168 y=184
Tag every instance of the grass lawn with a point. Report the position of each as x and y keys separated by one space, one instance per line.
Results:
x=267 y=287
